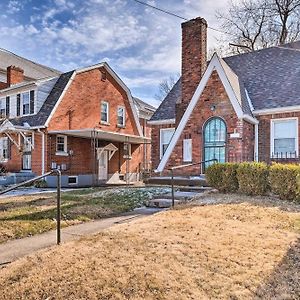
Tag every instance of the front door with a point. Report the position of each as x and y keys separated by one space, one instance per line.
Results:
x=214 y=140
x=26 y=160
x=103 y=165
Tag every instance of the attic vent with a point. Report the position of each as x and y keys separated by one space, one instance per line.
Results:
x=103 y=75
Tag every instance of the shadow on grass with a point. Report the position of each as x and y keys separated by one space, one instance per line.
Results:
x=40 y=215
x=284 y=283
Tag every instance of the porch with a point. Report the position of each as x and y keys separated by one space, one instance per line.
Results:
x=93 y=157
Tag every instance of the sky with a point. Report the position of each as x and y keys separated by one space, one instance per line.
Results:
x=142 y=45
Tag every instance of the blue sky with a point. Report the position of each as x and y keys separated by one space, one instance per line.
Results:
x=142 y=45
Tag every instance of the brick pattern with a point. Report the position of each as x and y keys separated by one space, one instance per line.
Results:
x=214 y=102
x=194 y=44
x=264 y=134
x=80 y=107
x=14 y=75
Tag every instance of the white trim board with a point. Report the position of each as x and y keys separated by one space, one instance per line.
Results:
x=214 y=65
x=162 y=122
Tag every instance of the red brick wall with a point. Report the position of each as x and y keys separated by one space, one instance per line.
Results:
x=80 y=107
x=237 y=149
x=264 y=133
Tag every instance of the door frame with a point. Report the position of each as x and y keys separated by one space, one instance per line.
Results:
x=25 y=153
x=105 y=152
x=203 y=137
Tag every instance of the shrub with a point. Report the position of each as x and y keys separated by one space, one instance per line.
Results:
x=223 y=177
x=253 y=178
x=285 y=181
x=40 y=183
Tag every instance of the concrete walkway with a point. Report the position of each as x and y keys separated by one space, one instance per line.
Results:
x=16 y=249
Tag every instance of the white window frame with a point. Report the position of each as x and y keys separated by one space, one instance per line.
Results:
x=124 y=115
x=3 y=107
x=59 y=152
x=187 y=144
x=76 y=177
x=160 y=139
x=107 y=112
x=272 y=145
x=22 y=104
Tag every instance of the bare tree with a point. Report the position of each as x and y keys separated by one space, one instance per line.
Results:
x=165 y=87
x=256 y=24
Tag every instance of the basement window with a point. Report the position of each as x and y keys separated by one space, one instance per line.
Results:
x=73 y=180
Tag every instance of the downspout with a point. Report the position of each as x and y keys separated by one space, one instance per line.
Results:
x=43 y=150
x=256 y=142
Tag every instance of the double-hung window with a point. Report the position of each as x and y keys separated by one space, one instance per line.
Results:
x=284 y=138
x=104 y=112
x=2 y=108
x=26 y=103
x=121 y=116
x=61 y=144
x=165 y=138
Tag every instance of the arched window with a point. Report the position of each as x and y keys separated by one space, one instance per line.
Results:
x=214 y=140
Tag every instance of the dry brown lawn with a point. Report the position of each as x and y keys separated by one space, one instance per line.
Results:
x=224 y=251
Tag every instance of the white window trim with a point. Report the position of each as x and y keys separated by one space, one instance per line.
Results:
x=107 y=105
x=124 y=115
x=160 y=140
x=76 y=177
x=273 y=121
x=3 y=159
x=65 y=152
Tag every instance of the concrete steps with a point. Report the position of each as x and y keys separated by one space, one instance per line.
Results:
x=178 y=181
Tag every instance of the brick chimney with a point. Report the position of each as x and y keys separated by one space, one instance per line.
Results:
x=14 y=75
x=193 y=60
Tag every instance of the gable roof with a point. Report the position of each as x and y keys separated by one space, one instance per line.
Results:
x=232 y=88
x=166 y=110
x=31 y=69
x=269 y=76
x=39 y=119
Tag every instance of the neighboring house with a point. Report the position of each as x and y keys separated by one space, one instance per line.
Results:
x=31 y=70
x=240 y=108
x=84 y=122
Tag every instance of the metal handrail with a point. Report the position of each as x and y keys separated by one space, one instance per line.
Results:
x=58 y=218
x=185 y=166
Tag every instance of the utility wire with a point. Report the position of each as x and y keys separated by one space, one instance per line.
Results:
x=175 y=15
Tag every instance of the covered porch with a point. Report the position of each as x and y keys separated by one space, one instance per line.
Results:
x=97 y=157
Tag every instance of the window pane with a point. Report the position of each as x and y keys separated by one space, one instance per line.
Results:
x=166 y=136
x=285 y=129
x=284 y=146
x=104 y=112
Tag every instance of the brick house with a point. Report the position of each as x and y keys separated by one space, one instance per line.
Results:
x=239 y=108
x=84 y=122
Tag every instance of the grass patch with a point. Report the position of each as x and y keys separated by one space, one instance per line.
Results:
x=224 y=251
x=29 y=215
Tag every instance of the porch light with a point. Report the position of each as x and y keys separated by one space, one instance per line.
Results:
x=213 y=108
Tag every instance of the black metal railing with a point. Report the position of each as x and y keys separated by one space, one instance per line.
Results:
x=201 y=163
x=30 y=181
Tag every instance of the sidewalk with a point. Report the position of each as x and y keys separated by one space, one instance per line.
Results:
x=15 y=249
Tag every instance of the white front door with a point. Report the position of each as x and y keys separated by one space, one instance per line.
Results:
x=103 y=166
x=26 y=164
